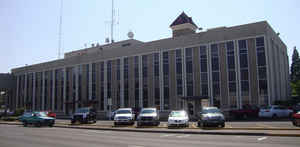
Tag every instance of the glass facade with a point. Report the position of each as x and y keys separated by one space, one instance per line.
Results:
x=232 y=90
x=215 y=74
x=156 y=80
x=166 y=80
x=262 y=71
x=145 y=80
x=126 y=82
x=244 y=74
x=101 y=103
x=136 y=82
x=203 y=71
x=179 y=81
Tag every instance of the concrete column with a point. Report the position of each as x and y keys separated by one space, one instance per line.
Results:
x=53 y=89
x=90 y=81
x=140 y=82
x=238 y=74
x=122 y=82
x=33 y=91
x=76 y=86
x=43 y=90
x=105 y=85
x=25 y=91
x=64 y=90
x=18 y=91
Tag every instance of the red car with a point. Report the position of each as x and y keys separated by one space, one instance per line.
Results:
x=296 y=119
x=50 y=114
x=248 y=111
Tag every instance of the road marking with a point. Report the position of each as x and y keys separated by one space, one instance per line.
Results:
x=93 y=131
x=167 y=135
x=262 y=138
x=183 y=136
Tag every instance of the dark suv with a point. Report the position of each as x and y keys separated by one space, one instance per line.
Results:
x=84 y=115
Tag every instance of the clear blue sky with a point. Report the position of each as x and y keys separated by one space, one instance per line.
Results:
x=29 y=28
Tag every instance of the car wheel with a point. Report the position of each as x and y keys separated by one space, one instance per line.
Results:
x=25 y=124
x=115 y=124
x=158 y=123
x=245 y=116
x=274 y=116
x=51 y=125
x=200 y=125
x=297 y=122
x=222 y=125
x=38 y=124
x=138 y=124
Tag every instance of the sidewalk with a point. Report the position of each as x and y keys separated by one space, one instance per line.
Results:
x=213 y=131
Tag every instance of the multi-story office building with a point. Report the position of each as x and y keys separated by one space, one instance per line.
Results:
x=231 y=66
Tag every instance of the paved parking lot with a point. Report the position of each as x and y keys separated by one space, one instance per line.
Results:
x=232 y=124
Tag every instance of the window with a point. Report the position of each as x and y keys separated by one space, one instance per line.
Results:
x=156 y=79
x=203 y=70
x=262 y=70
x=166 y=79
x=189 y=60
x=243 y=58
x=179 y=72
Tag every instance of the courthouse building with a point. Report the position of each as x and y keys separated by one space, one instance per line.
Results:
x=228 y=66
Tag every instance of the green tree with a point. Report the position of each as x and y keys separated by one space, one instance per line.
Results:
x=295 y=67
x=295 y=88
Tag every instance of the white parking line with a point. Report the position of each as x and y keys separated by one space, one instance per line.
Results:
x=183 y=136
x=262 y=138
x=167 y=135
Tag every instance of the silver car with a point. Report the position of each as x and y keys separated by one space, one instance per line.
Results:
x=148 y=116
x=178 y=118
x=124 y=116
x=211 y=116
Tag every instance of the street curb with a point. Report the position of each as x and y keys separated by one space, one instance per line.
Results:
x=170 y=131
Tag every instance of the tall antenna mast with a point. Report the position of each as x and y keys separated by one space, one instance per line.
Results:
x=60 y=30
x=112 y=21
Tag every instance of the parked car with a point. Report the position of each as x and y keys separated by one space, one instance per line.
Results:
x=211 y=116
x=37 y=119
x=124 y=116
x=50 y=114
x=84 y=115
x=248 y=111
x=178 y=118
x=275 y=111
x=296 y=119
x=148 y=116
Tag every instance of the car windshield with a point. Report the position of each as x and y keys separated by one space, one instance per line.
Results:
x=41 y=114
x=177 y=114
x=205 y=111
x=266 y=107
x=82 y=110
x=123 y=111
x=148 y=111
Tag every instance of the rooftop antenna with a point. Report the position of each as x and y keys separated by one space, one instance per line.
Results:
x=112 y=22
x=60 y=30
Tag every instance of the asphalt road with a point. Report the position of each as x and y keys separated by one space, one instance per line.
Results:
x=18 y=136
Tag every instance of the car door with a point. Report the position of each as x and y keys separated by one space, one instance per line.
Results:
x=276 y=111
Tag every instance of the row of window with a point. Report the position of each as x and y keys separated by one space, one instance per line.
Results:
x=179 y=61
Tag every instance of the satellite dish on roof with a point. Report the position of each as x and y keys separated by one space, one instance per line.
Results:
x=130 y=34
